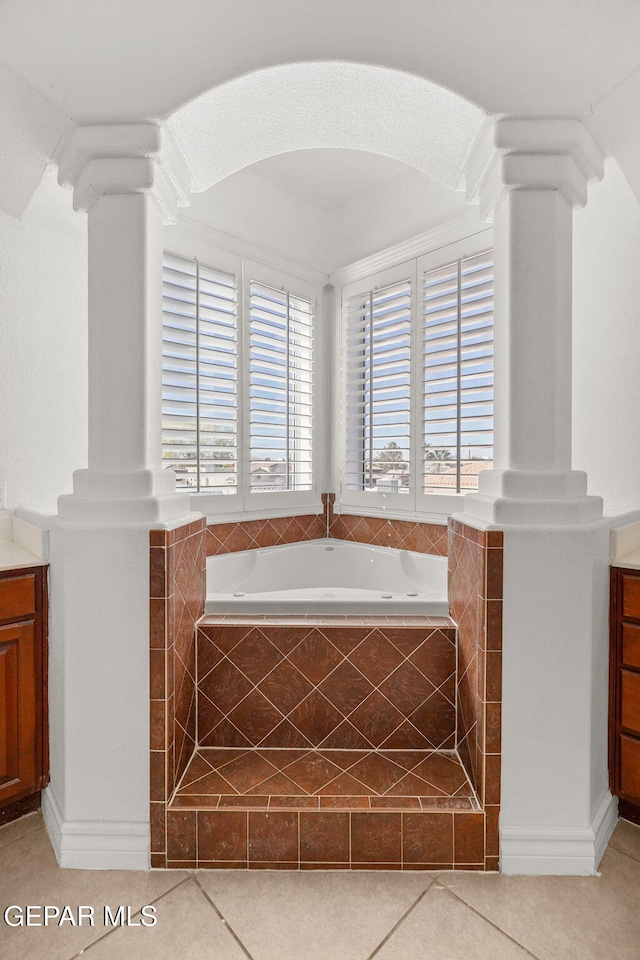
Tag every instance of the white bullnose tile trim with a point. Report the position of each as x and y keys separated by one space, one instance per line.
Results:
x=95 y=844
x=559 y=851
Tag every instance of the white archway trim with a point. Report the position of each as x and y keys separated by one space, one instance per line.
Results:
x=300 y=106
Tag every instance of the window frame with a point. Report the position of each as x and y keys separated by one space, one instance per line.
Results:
x=244 y=503
x=416 y=504
x=458 y=250
x=295 y=286
x=363 y=287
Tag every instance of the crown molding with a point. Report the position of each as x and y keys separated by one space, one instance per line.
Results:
x=192 y=228
x=450 y=232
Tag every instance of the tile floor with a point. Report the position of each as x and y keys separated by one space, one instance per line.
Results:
x=225 y=915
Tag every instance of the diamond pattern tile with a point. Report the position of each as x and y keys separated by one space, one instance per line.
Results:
x=249 y=534
x=315 y=656
x=286 y=686
x=238 y=778
x=346 y=687
x=379 y=699
x=401 y=534
x=315 y=717
x=255 y=717
x=255 y=655
x=313 y=771
x=376 y=657
x=376 y=718
x=342 y=687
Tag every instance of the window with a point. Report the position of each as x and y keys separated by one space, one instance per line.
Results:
x=418 y=380
x=280 y=390
x=378 y=388
x=200 y=376
x=238 y=425
x=458 y=373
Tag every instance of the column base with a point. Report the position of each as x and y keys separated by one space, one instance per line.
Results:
x=124 y=496
x=160 y=509
x=533 y=512
x=559 y=851
x=533 y=497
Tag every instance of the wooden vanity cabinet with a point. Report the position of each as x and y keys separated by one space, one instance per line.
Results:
x=624 y=691
x=24 y=760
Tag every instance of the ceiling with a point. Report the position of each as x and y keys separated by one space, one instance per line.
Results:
x=328 y=178
x=102 y=61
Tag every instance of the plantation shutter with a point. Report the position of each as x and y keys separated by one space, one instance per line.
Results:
x=200 y=375
x=378 y=389
x=280 y=385
x=458 y=373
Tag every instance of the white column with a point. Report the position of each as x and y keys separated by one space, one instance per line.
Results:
x=529 y=174
x=557 y=813
x=96 y=807
x=129 y=179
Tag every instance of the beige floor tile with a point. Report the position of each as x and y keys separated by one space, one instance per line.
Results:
x=563 y=918
x=312 y=916
x=20 y=828
x=626 y=838
x=442 y=928
x=29 y=874
x=188 y=928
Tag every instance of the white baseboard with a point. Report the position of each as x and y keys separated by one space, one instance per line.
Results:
x=559 y=851
x=95 y=844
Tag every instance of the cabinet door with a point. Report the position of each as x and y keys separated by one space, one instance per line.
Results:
x=19 y=711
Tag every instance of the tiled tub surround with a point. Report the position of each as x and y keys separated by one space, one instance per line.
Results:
x=378 y=531
x=319 y=749
x=177 y=585
x=430 y=818
x=384 y=686
x=475 y=604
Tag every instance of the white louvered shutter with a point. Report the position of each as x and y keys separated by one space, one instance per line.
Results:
x=458 y=373
x=280 y=388
x=200 y=375
x=378 y=389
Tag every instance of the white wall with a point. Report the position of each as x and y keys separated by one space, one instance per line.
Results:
x=43 y=358
x=251 y=209
x=409 y=204
x=606 y=335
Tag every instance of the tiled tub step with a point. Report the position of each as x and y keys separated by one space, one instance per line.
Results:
x=316 y=809
x=324 y=780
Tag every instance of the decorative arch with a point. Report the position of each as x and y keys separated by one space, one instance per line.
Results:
x=300 y=106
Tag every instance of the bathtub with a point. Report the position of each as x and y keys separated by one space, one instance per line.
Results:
x=327 y=577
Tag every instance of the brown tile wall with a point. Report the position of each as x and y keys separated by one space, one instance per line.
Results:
x=338 y=685
x=177 y=593
x=401 y=534
x=475 y=604
x=251 y=534
x=309 y=840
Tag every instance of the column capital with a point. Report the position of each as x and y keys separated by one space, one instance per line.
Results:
x=512 y=153
x=124 y=159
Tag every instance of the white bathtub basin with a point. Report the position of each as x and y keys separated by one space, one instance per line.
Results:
x=327 y=577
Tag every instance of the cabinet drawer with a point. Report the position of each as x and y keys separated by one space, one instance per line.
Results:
x=630 y=706
x=630 y=766
x=18 y=597
x=630 y=596
x=631 y=645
